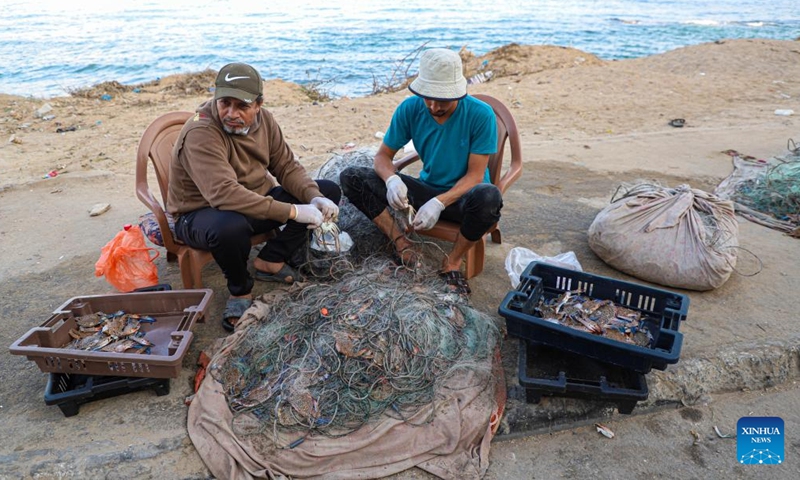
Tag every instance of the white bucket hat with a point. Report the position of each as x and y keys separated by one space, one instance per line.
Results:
x=440 y=76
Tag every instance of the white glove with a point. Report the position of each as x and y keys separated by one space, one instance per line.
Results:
x=308 y=214
x=325 y=205
x=396 y=193
x=428 y=214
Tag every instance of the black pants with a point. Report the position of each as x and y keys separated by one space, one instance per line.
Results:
x=226 y=234
x=476 y=211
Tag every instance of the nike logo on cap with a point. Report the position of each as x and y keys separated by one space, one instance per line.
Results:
x=228 y=78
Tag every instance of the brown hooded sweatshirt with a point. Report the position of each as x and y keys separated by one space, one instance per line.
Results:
x=211 y=167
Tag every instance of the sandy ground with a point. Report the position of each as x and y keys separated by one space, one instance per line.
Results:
x=565 y=102
x=585 y=125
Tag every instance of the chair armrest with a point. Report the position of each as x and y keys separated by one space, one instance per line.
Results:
x=402 y=163
x=511 y=175
x=515 y=167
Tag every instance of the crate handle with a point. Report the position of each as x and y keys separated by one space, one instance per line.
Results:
x=533 y=296
x=179 y=342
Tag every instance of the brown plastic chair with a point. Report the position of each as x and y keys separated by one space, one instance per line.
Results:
x=506 y=129
x=156 y=146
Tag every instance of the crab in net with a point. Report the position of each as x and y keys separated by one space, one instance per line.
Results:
x=326 y=236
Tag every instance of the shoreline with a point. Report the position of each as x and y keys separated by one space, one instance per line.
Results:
x=473 y=65
x=584 y=128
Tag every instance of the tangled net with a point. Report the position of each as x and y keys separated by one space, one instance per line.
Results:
x=331 y=357
x=776 y=191
x=367 y=240
x=364 y=233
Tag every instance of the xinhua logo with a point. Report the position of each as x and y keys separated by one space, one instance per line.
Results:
x=759 y=440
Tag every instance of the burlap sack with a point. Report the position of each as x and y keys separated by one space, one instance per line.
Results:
x=679 y=237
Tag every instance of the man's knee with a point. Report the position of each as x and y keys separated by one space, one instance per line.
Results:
x=330 y=190
x=353 y=177
x=485 y=199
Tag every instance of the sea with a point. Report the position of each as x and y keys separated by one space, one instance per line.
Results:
x=342 y=47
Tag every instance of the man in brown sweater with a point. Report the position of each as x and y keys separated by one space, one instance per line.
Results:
x=233 y=176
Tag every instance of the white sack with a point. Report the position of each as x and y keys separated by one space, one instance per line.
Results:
x=679 y=237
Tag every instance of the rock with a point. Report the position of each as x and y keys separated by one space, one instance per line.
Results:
x=99 y=209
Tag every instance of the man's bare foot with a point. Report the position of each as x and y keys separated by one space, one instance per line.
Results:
x=405 y=253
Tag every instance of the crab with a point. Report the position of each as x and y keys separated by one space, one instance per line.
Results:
x=327 y=235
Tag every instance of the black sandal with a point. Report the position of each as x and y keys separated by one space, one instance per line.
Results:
x=234 y=309
x=456 y=281
x=286 y=275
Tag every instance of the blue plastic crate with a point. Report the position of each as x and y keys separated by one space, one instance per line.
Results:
x=662 y=310
x=547 y=371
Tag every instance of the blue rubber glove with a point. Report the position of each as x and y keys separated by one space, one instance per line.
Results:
x=428 y=214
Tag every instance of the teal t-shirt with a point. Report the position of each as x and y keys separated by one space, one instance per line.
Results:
x=444 y=149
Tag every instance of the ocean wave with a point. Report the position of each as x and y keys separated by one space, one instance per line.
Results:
x=626 y=21
x=703 y=23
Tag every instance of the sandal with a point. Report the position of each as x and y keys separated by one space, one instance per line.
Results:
x=234 y=310
x=456 y=281
x=286 y=275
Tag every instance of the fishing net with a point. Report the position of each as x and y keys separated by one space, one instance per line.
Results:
x=776 y=192
x=766 y=192
x=366 y=236
x=332 y=357
x=372 y=368
x=367 y=241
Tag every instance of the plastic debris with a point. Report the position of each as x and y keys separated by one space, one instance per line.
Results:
x=51 y=174
x=604 y=430
x=481 y=77
x=784 y=112
x=106 y=97
x=720 y=435
x=43 y=110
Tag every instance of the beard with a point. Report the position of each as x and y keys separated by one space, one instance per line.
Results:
x=236 y=131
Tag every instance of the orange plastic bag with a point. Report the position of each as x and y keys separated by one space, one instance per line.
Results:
x=126 y=262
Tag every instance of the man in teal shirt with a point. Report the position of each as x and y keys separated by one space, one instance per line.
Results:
x=454 y=135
